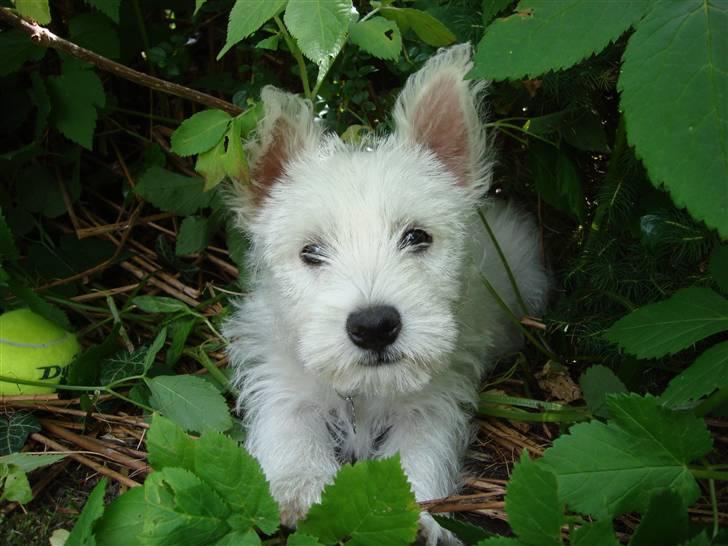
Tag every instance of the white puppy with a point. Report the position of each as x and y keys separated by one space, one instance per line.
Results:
x=368 y=326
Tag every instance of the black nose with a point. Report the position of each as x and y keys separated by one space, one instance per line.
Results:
x=374 y=328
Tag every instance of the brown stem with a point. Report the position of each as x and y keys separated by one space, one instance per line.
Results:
x=45 y=38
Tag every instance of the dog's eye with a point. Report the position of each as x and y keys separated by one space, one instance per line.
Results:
x=312 y=254
x=416 y=239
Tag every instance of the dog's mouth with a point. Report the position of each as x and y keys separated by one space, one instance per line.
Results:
x=373 y=358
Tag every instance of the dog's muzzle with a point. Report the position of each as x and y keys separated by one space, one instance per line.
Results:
x=374 y=328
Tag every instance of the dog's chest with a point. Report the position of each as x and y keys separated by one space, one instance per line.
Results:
x=358 y=429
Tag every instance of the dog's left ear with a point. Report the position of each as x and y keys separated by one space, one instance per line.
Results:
x=438 y=109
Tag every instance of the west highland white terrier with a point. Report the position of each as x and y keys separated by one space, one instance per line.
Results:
x=368 y=327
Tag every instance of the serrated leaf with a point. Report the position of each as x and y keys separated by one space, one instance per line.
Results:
x=95 y=32
x=189 y=401
x=172 y=192
x=675 y=77
x=200 y=132
x=320 y=28
x=462 y=529
x=168 y=445
x=156 y=346
x=369 y=497
x=123 y=520
x=84 y=369
x=238 y=479
x=234 y=161
x=237 y=538
x=210 y=166
x=15 y=486
x=160 y=304
x=596 y=383
x=556 y=178
x=270 y=43
x=246 y=17
x=14 y=431
x=182 y=510
x=427 y=28
x=644 y=448
x=110 y=8
x=37 y=10
x=378 y=36
x=532 y=504
x=702 y=377
x=500 y=541
x=599 y=533
x=18 y=49
x=8 y=250
x=492 y=8
x=554 y=28
x=193 y=236
x=718 y=267
x=75 y=95
x=121 y=365
x=82 y=533
x=179 y=331
x=665 y=522
x=39 y=305
x=668 y=326
x=28 y=462
x=299 y=539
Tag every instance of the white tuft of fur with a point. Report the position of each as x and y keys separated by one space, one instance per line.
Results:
x=310 y=397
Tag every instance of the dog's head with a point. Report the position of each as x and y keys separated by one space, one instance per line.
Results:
x=362 y=247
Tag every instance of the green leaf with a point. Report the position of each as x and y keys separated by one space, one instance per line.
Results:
x=665 y=522
x=238 y=479
x=644 y=448
x=320 y=28
x=75 y=95
x=182 y=510
x=554 y=28
x=675 y=77
x=556 y=178
x=200 y=132
x=237 y=244
x=246 y=17
x=8 y=250
x=83 y=531
x=193 y=236
x=39 y=96
x=15 y=486
x=238 y=538
x=84 y=369
x=702 y=377
x=599 y=533
x=172 y=192
x=160 y=304
x=492 y=8
x=179 y=331
x=500 y=541
x=596 y=383
x=719 y=267
x=210 y=166
x=156 y=346
x=95 y=32
x=270 y=43
x=425 y=26
x=14 y=431
x=462 y=529
x=699 y=540
x=668 y=326
x=189 y=401
x=110 y=8
x=370 y=497
x=532 y=504
x=28 y=462
x=18 y=49
x=121 y=365
x=37 y=10
x=39 y=305
x=234 y=161
x=168 y=445
x=379 y=37
x=123 y=520
x=299 y=539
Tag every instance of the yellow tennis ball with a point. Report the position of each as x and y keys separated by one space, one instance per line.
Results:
x=33 y=348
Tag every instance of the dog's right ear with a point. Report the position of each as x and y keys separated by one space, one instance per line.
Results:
x=286 y=131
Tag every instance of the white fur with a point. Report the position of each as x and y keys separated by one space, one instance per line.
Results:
x=294 y=361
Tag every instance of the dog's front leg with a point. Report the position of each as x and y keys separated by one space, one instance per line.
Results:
x=431 y=443
x=294 y=447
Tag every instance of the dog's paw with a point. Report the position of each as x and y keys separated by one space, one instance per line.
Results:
x=432 y=534
x=295 y=495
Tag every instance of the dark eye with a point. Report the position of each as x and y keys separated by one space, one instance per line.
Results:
x=312 y=254
x=416 y=239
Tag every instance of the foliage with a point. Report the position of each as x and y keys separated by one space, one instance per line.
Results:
x=611 y=123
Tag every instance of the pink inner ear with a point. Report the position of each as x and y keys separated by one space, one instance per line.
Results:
x=271 y=163
x=439 y=124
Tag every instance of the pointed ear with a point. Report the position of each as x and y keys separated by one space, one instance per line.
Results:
x=286 y=131
x=438 y=110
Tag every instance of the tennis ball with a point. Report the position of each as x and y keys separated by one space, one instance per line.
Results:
x=33 y=348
